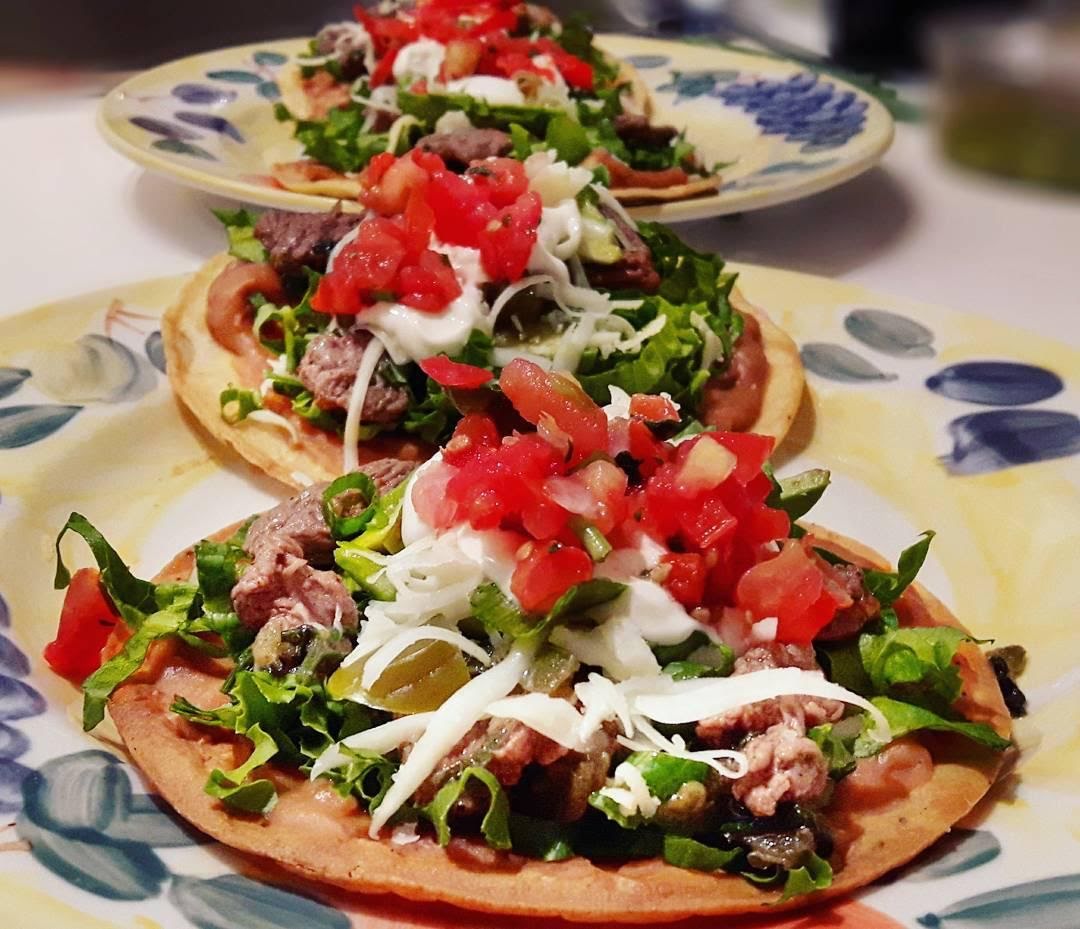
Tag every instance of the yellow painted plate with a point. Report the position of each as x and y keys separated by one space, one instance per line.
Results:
x=927 y=418
x=780 y=131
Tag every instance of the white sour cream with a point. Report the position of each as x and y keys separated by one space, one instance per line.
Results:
x=410 y=334
x=420 y=60
x=497 y=90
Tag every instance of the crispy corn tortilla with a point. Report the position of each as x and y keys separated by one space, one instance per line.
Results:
x=199 y=369
x=317 y=834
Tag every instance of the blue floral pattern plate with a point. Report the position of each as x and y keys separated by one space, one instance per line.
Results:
x=926 y=418
x=776 y=130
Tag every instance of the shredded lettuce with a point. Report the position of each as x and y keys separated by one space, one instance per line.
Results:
x=815 y=874
x=240 y=228
x=237 y=404
x=906 y=717
x=132 y=597
x=685 y=852
x=888 y=586
x=367 y=776
x=542 y=839
x=176 y=603
x=339 y=140
x=495 y=826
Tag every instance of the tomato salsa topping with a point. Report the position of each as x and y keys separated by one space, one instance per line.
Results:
x=479 y=40
x=582 y=474
x=413 y=199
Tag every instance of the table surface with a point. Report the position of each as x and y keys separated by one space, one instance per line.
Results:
x=82 y=218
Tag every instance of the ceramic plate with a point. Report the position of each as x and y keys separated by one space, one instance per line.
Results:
x=927 y=418
x=782 y=131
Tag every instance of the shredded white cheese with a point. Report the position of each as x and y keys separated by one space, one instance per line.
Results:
x=628 y=789
x=446 y=727
x=270 y=418
x=372 y=353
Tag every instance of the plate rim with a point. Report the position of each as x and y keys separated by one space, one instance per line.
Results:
x=717 y=204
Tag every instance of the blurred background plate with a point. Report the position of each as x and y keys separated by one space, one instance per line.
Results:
x=779 y=129
x=926 y=418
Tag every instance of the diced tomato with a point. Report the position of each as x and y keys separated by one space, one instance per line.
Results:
x=577 y=73
x=503 y=180
x=751 y=450
x=473 y=432
x=430 y=284
x=654 y=409
x=546 y=573
x=387 y=188
x=790 y=587
x=86 y=621
x=419 y=223
x=534 y=391
x=646 y=448
x=456 y=374
x=502 y=20
x=510 y=63
x=507 y=240
x=384 y=70
x=461 y=209
x=685 y=579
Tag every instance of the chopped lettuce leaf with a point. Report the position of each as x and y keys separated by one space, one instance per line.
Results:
x=428 y=108
x=541 y=838
x=815 y=874
x=796 y=495
x=166 y=621
x=915 y=664
x=887 y=586
x=495 y=826
x=906 y=717
x=367 y=776
x=240 y=228
x=684 y=852
x=339 y=140
x=233 y=787
x=568 y=138
x=836 y=748
x=134 y=598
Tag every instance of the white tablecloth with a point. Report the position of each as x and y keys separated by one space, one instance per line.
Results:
x=78 y=217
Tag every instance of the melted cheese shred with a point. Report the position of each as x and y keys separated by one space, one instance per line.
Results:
x=372 y=353
x=447 y=725
x=690 y=701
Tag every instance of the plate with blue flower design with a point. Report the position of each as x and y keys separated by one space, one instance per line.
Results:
x=776 y=130
x=926 y=418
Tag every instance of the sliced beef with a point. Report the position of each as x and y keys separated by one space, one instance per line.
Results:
x=460 y=148
x=328 y=369
x=387 y=473
x=298 y=240
x=348 y=45
x=784 y=767
x=504 y=746
x=799 y=713
x=634 y=129
x=296 y=526
x=280 y=585
x=862 y=607
x=635 y=270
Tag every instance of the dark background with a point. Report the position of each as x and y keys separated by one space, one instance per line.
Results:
x=877 y=35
